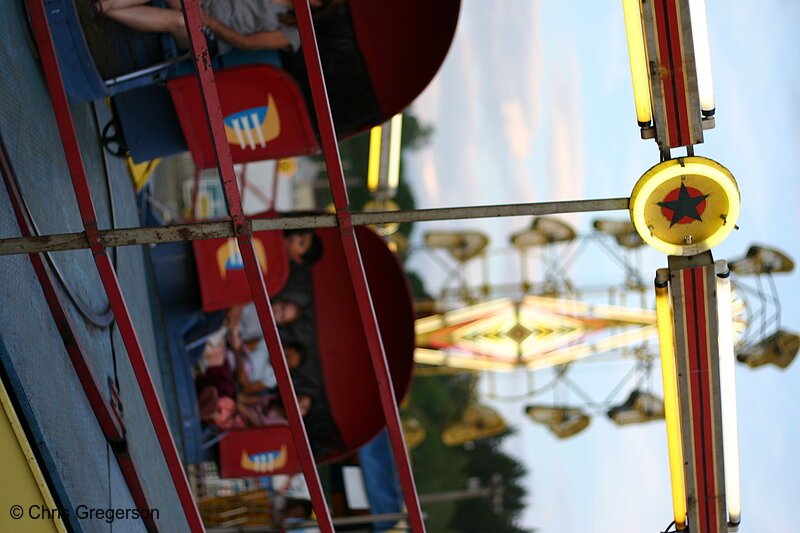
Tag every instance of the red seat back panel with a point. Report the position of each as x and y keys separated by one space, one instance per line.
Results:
x=264 y=113
x=223 y=282
x=263 y=451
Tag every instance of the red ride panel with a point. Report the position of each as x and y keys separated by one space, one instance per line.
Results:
x=400 y=72
x=263 y=110
x=350 y=385
x=220 y=270
x=254 y=452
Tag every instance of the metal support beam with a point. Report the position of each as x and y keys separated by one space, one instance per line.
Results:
x=365 y=520
x=694 y=296
x=224 y=229
x=673 y=75
x=244 y=235
x=358 y=278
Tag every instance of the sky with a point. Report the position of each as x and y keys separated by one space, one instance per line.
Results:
x=534 y=103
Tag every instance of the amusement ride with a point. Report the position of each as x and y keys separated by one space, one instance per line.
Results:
x=350 y=77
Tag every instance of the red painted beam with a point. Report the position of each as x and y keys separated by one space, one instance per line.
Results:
x=358 y=278
x=676 y=105
x=694 y=289
x=693 y=281
x=108 y=276
x=243 y=231
x=681 y=113
x=670 y=99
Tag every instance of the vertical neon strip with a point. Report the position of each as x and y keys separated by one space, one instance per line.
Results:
x=669 y=377
x=727 y=377
x=702 y=56
x=374 y=168
x=632 y=10
x=394 y=151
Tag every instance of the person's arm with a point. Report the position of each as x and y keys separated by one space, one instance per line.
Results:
x=255 y=389
x=265 y=40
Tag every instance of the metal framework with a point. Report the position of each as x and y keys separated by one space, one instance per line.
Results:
x=102 y=261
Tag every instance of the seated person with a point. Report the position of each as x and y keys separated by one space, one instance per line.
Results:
x=253 y=404
x=215 y=386
x=256 y=374
x=296 y=509
x=303 y=246
x=245 y=317
x=256 y=410
x=242 y=24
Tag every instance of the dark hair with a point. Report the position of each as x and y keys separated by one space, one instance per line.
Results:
x=303 y=505
x=293 y=302
x=290 y=17
x=299 y=348
x=314 y=251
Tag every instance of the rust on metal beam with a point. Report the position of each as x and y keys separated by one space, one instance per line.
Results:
x=224 y=229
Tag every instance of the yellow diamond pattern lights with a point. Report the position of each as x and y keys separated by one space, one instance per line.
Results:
x=536 y=332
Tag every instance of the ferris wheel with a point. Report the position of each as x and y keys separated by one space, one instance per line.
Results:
x=551 y=321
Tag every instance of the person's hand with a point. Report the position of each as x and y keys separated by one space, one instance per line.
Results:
x=304 y=403
x=207 y=19
x=254 y=387
x=214 y=355
x=235 y=340
x=234 y=314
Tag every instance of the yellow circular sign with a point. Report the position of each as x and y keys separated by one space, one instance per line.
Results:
x=685 y=206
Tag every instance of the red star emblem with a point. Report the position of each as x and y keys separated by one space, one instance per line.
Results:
x=683 y=205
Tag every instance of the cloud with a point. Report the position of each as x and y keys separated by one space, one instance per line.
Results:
x=566 y=156
x=429 y=181
x=519 y=134
x=516 y=53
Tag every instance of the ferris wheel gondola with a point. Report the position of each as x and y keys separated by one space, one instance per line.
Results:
x=373 y=71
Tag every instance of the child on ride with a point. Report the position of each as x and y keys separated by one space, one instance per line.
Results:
x=303 y=246
x=237 y=386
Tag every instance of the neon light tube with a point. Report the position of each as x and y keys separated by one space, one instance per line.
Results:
x=638 y=59
x=702 y=56
x=669 y=377
x=727 y=378
x=454 y=360
x=394 y=151
x=374 y=166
